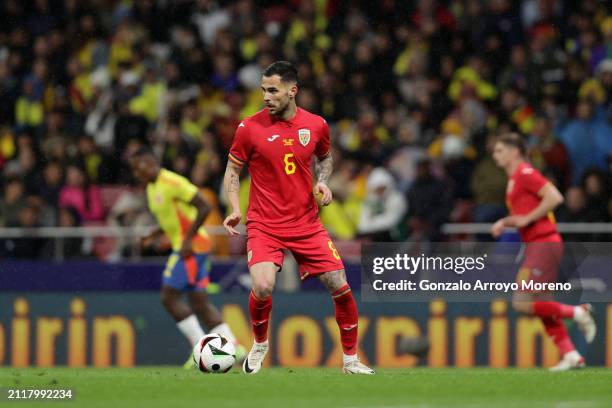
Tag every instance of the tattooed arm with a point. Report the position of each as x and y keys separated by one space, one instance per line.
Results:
x=323 y=169
x=231 y=184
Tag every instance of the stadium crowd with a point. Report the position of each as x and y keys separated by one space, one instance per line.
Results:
x=414 y=91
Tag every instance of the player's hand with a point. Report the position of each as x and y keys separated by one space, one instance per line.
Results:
x=185 y=251
x=231 y=221
x=498 y=228
x=517 y=221
x=323 y=194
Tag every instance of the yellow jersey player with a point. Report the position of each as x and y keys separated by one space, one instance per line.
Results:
x=180 y=210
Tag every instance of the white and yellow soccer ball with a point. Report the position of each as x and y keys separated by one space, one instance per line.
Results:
x=213 y=353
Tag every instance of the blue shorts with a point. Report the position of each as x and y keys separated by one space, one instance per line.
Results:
x=189 y=274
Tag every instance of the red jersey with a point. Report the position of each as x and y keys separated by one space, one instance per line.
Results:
x=522 y=198
x=279 y=155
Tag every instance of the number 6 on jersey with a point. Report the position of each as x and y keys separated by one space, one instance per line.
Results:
x=289 y=165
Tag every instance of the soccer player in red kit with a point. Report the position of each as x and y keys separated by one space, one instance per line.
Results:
x=531 y=199
x=278 y=145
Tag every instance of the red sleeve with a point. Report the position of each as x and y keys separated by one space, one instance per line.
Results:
x=533 y=180
x=240 y=152
x=322 y=149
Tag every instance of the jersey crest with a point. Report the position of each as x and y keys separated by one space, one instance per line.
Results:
x=304 y=136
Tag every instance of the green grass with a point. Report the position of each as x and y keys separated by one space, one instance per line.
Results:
x=316 y=388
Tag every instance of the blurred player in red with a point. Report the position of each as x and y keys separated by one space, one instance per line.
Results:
x=531 y=199
x=278 y=145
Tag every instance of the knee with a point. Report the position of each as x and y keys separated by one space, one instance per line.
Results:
x=167 y=300
x=262 y=288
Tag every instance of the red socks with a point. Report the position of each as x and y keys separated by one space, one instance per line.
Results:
x=259 y=310
x=553 y=309
x=556 y=330
x=347 y=317
x=552 y=315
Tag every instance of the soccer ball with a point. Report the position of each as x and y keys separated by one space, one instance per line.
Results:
x=213 y=353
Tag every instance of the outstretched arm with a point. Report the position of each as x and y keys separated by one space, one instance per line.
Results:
x=231 y=184
x=323 y=170
x=204 y=208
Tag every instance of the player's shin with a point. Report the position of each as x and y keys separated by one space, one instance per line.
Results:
x=545 y=309
x=556 y=330
x=347 y=318
x=259 y=310
x=191 y=329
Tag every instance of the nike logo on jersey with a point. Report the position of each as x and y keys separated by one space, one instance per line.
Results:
x=273 y=138
x=241 y=124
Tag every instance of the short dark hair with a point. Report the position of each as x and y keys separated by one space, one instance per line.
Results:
x=142 y=152
x=284 y=69
x=515 y=140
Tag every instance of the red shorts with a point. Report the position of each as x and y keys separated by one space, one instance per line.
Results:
x=313 y=251
x=541 y=261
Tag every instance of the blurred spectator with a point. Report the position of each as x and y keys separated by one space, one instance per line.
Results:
x=12 y=202
x=80 y=194
x=595 y=187
x=545 y=70
x=101 y=119
x=396 y=81
x=488 y=187
x=100 y=167
x=342 y=215
x=514 y=75
x=129 y=126
x=575 y=209
x=383 y=208
x=175 y=143
x=130 y=210
x=27 y=247
x=580 y=136
x=429 y=204
x=547 y=153
x=71 y=247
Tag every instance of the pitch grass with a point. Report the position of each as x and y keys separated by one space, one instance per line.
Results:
x=170 y=387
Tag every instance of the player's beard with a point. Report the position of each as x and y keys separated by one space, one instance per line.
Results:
x=280 y=110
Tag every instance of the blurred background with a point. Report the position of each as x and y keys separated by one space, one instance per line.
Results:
x=414 y=92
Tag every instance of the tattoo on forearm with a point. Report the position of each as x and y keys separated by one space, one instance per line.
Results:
x=324 y=168
x=232 y=183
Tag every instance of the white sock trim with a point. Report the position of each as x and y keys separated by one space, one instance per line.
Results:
x=579 y=313
x=191 y=329
x=574 y=355
x=224 y=330
x=348 y=358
